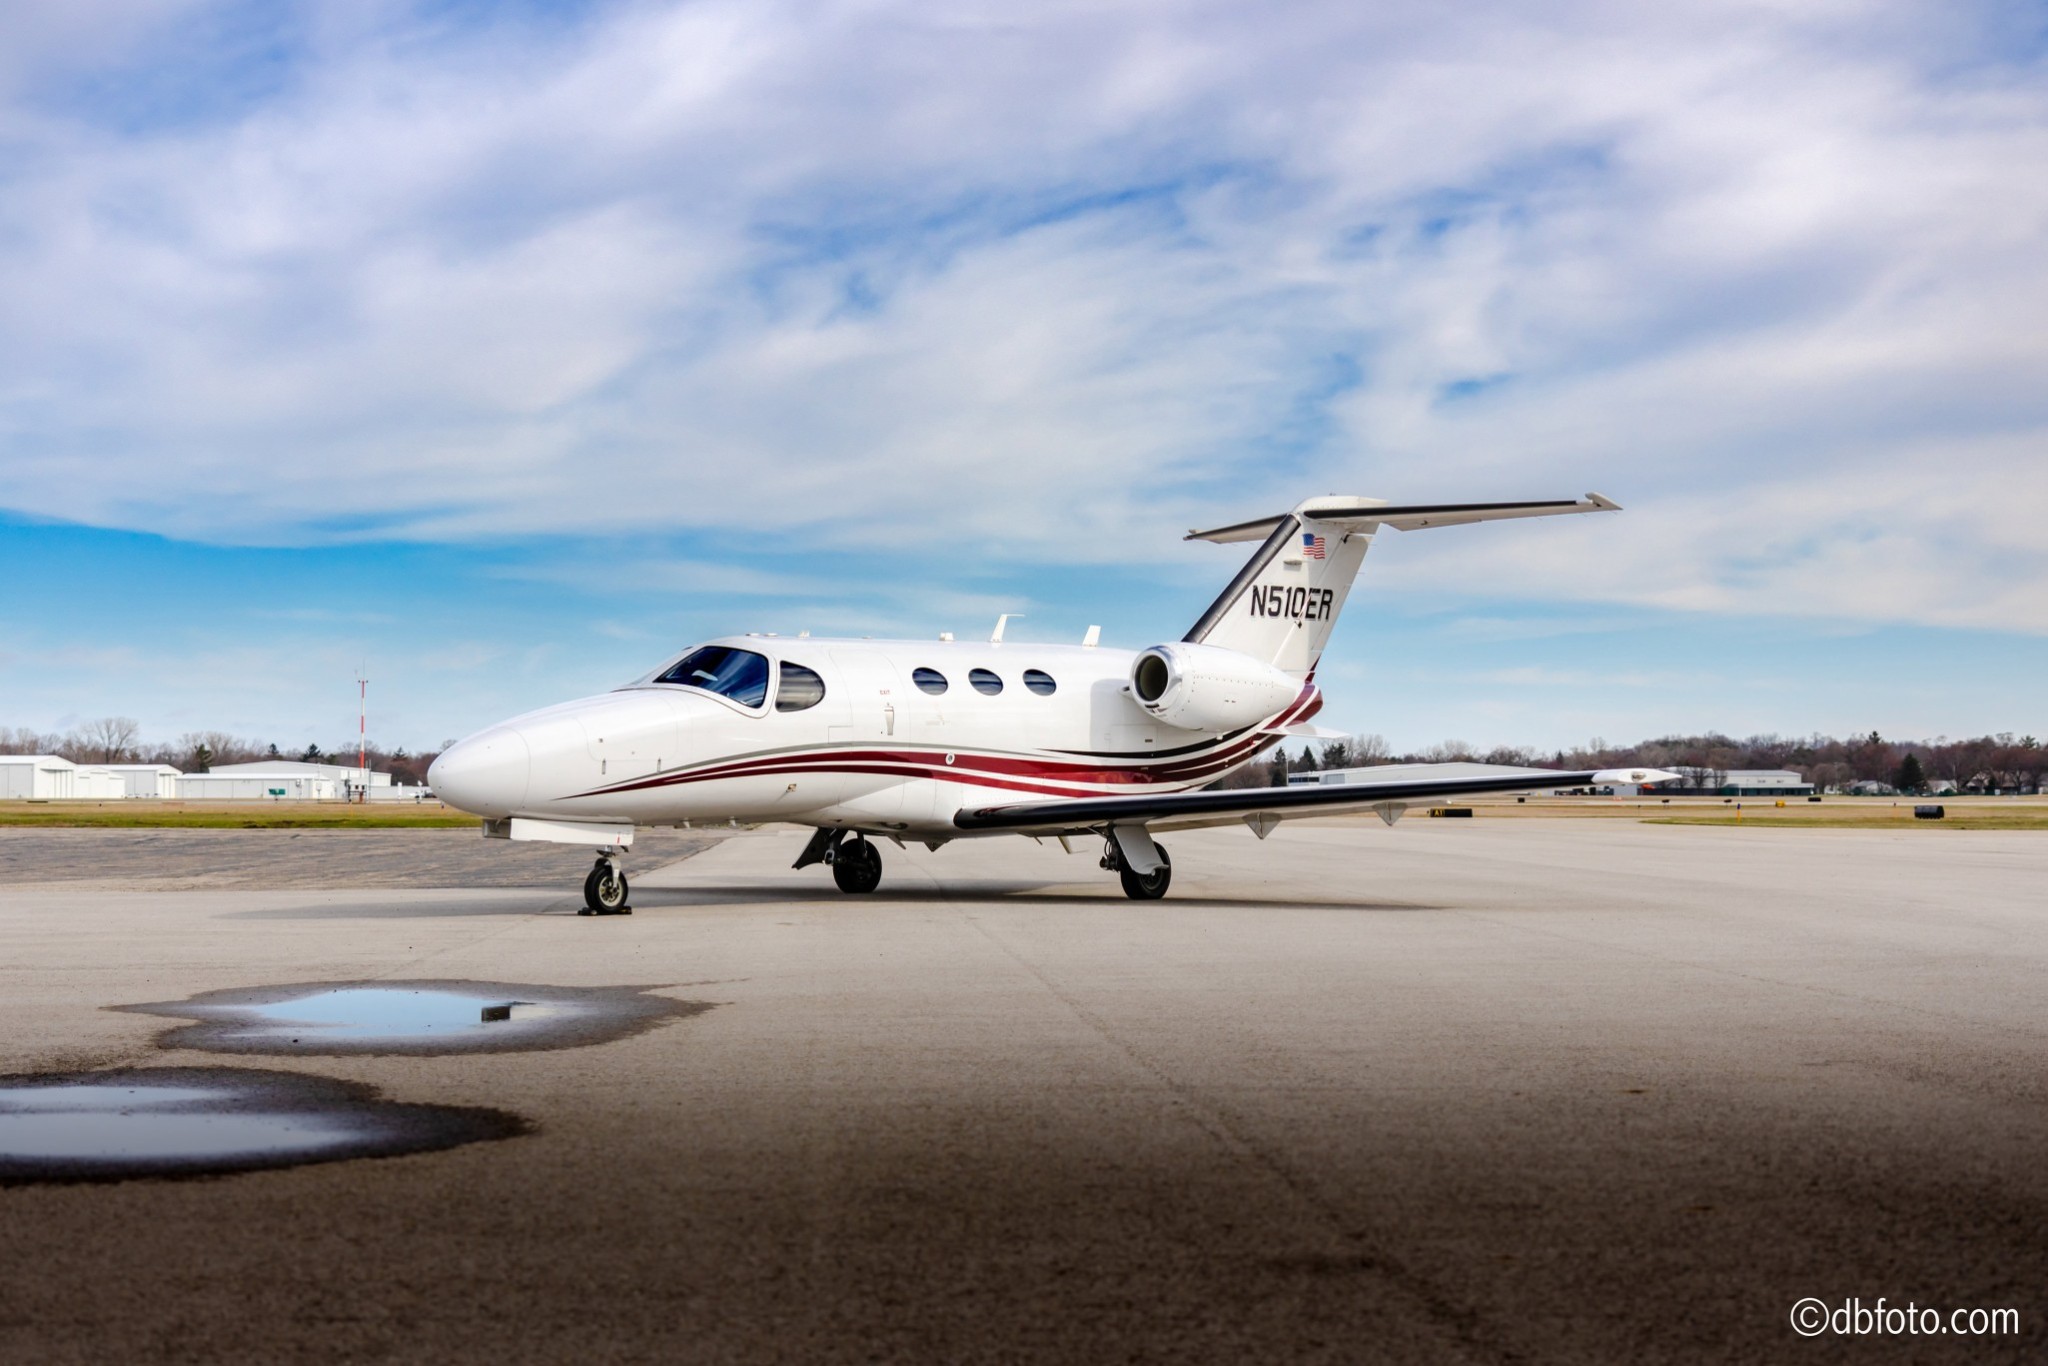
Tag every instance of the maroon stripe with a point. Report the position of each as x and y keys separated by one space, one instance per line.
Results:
x=989 y=770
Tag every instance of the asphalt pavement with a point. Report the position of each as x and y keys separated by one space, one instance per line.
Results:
x=1486 y=1091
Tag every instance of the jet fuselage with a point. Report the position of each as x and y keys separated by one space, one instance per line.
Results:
x=904 y=735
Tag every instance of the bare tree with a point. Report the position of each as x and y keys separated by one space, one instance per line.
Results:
x=110 y=739
x=25 y=741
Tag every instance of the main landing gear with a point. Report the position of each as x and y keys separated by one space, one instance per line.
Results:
x=604 y=891
x=1139 y=886
x=856 y=865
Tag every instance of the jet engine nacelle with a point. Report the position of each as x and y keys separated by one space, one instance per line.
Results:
x=1206 y=687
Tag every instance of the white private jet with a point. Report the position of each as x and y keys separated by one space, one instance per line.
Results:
x=940 y=740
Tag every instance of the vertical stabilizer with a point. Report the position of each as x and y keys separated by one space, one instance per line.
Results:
x=1281 y=606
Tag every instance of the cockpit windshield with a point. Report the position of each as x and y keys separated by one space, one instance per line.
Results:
x=740 y=675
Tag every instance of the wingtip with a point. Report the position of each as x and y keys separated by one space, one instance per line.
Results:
x=1603 y=502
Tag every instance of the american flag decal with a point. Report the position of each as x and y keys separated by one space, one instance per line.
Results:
x=1311 y=545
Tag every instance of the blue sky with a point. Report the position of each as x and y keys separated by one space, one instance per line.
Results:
x=507 y=348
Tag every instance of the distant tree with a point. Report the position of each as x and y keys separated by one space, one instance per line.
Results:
x=1276 y=768
x=273 y=754
x=25 y=741
x=1826 y=777
x=1909 y=777
x=109 y=739
x=1306 y=763
x=1337 y=754
x=200 y=759
x=312 y=755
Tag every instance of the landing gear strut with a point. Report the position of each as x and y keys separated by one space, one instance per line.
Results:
x=856 y=865
x=604 y=891
x=1139 y=886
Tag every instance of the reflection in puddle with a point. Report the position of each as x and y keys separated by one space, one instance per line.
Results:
x=197 y=1121
x=388 y=1013
x=412 y=1017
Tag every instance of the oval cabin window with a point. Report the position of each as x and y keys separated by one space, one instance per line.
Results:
x=985 y=681
x=1040 y=682
x=799 y=688
x=928 y=680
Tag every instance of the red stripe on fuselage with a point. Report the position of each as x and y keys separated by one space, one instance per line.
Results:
x=988 y=770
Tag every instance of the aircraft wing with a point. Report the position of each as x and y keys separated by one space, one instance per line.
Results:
x=1261 y=806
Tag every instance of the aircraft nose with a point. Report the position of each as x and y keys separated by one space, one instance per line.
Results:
x=486 y=774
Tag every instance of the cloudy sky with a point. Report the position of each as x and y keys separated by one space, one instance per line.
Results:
x=503 y=348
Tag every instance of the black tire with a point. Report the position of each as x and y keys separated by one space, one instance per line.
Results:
x=1150 y=888
x=857 y=867
x=605 y=891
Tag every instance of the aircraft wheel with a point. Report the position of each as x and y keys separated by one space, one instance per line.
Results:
x=857 y=867
x=1146 y=888
x=604 y=891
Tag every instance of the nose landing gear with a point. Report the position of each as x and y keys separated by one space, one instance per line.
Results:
x=604 y=891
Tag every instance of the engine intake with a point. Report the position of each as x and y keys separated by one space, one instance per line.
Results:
x=1206 y=687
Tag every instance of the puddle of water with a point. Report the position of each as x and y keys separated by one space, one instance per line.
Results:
x=109 y=1126
x=99 y=1137
x=333 y=1018
x=388 y=1013
x=83 y=1097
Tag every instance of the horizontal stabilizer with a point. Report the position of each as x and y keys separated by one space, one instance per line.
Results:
x=1404 y=516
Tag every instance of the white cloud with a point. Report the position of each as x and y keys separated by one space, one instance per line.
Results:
x=1069 y=284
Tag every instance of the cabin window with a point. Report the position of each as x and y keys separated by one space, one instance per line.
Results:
x=799 y=689
x=1040 y=682
x=985 y=681
x=740 y=675
x=928 y=680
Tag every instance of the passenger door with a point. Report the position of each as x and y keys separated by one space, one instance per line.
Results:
x=874 y=697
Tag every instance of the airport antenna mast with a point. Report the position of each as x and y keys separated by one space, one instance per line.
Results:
x=362 y=735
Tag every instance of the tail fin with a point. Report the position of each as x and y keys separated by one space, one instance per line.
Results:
x=1282 y=604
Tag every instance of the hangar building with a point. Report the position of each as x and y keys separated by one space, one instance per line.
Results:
x=146 y=780
x=37 y=777
x=47 y=777
x=256 y=782
x=1763 y=782
x=343 y=780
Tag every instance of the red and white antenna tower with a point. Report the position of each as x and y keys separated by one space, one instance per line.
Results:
x=362 y=734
